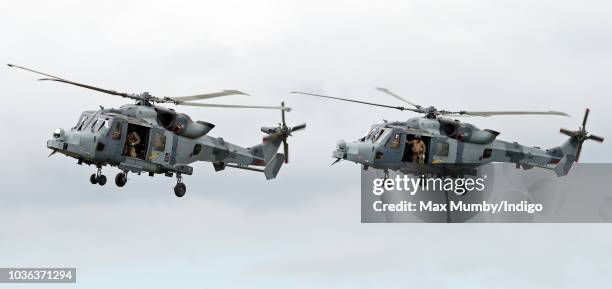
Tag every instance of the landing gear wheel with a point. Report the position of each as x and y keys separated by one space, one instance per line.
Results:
x=93 y=179
x=386 y=175
x=121 y=179
x=180 y=189
x=102 y=180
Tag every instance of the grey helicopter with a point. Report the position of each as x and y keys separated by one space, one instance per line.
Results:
x=148 y=138
x=451 y=147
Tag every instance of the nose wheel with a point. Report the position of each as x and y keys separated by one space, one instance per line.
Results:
x=98 y=178
x=180 y=189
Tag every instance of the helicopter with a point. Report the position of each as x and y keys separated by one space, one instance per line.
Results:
x=451 y=147
x=146 y=137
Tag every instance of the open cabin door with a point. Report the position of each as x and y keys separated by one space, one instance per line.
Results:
x=408 y=155
x=136 y=141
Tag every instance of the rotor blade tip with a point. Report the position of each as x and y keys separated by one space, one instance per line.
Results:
x=10 y=65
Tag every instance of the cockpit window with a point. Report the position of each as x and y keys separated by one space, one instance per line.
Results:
x=117 y=131
x=369 y=135
x=98 y=125
x=381 y=136
x=82 y=120
x=395 y=141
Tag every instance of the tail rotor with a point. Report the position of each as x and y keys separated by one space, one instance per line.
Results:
x=581 y=135
x=282 y=132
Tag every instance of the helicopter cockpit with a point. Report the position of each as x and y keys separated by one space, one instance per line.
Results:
x=385 y=145
x=374 y=134
x=92 y=122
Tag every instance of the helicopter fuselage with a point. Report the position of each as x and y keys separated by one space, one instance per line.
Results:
x=165 y=141
x=450 y=145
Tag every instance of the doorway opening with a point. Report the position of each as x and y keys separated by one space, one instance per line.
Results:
x=408 y=155
x=136 y=141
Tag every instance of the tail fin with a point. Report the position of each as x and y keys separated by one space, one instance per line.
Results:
x=564 y=165
x=272 y=142
x=273 y=166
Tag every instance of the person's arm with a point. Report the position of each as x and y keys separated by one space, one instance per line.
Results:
x=136 y=139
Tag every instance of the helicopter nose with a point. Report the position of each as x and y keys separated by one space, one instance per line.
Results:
x=340 y=152
x=357 y=152
x=57 y=142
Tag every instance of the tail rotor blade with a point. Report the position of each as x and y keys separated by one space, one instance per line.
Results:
x=298 y=127
x=595 y=138
x=283 y=114
x=567 y=132
x=586 y=116
x=578 y=150
x=286 y=150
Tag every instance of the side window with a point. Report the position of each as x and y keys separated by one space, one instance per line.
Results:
x=442 y=149
x=394 y=142
x=117 y=131
x=197 y=149
x=159 y=142
x=487 y=153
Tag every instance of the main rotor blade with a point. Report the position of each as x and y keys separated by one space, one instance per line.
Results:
x=491 y=113
x=207 y=96
x=285 y=108
x=32 y=70
x=357 y=101
x=123 y=94
x=59 y=79
x=384 y=90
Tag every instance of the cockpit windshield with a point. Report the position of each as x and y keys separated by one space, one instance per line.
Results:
x=375 y=134
x=101 y=125
x=81 y=122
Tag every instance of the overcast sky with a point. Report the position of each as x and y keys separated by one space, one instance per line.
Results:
x=233 y=229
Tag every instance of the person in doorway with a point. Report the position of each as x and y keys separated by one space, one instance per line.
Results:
x=133 y=140
x=418 y=150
